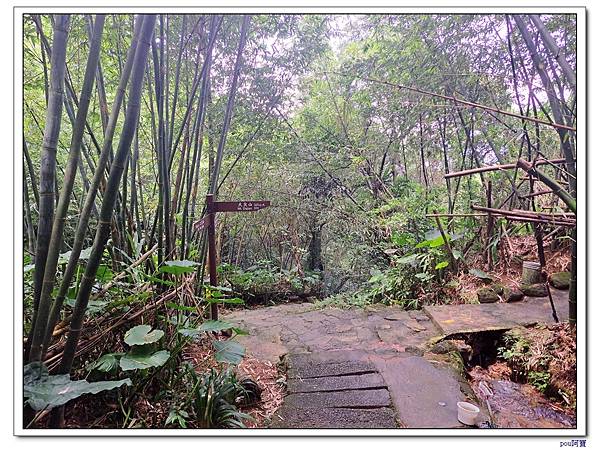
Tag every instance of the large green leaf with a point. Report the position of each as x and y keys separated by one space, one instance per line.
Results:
x=143 y=360
x=47 y=391
x=431 y=243
x=228 y=351
x=141 y=335
x=179 y=267
x=34 y=372
x=104 y=274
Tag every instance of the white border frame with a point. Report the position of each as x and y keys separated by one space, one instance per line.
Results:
x=311 y=7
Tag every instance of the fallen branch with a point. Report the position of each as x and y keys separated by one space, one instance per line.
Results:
x=551 y=183
x=462 y=102
x=535 y=194
x=529 y=217
x=462 y=173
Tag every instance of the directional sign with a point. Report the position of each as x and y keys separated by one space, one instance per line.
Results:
x=201 y=224
x=244 y=206
x=208 y=222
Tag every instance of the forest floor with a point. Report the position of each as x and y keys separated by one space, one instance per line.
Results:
x=384 y=367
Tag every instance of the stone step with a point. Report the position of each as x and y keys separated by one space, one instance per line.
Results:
x=290 y=417
x=336 y=383
x=307 y=368
x=358 y=399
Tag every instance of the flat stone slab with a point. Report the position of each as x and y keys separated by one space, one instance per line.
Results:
x=336 y=383
x=370 y=398
x=423 y=395
x=452 y=319
x=289 y=417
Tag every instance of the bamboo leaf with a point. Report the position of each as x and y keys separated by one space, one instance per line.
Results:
x=441 y=265
x=106 y=363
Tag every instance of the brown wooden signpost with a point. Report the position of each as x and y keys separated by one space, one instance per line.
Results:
x=208 y=221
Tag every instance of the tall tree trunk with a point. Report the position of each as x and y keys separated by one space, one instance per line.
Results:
x=28 y=219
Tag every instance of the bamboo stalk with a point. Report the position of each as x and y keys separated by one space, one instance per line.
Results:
x=532 y=217
x=60 y=217
x=108 y=203
x=462 y=173
x=48 y=164
x=93 y=190
x=535 y=194
x=552 y=184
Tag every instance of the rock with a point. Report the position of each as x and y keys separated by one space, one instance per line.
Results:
x=443 y=347
x=534 y=290
x=498 y=288
x=513 y=295
x=561 y=280
x=489 y=294
x=414 y=350
x=451 y=345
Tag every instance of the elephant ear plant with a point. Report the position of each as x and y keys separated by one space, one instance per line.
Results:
x=44 y=392
x=142 y=354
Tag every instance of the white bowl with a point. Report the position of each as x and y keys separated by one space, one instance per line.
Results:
x=467 y=413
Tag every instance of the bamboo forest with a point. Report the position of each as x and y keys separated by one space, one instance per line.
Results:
x=298 y=221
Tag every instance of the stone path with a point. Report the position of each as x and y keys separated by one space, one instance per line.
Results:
x=372 y=368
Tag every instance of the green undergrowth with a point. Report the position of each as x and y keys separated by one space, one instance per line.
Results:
x=265 y=283
x=545 y=358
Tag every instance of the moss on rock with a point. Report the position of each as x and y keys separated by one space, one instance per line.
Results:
x=490 y=294
x=513 y=295
x=561 y=280
x=534 y=290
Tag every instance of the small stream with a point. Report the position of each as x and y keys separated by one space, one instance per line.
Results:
x=515 y=405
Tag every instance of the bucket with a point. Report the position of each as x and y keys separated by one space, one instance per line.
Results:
x=531 y=272
x=467 y=413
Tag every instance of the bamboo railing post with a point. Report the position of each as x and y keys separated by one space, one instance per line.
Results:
x=452 y=261
x=490 y=228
